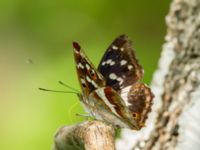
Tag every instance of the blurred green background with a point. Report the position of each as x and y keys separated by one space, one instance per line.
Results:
x=36 y=51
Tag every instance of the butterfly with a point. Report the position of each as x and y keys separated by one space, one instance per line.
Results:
x=111 y=92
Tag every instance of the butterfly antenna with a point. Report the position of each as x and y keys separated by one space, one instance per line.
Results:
x=64 y=84
x=57 y=91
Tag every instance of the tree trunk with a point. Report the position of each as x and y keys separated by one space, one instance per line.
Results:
x=174 y=122
x=175 y=118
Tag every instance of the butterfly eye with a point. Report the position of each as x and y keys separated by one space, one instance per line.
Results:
x=135 y=115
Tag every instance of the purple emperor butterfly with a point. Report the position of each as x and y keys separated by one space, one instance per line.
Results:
x=112 y=92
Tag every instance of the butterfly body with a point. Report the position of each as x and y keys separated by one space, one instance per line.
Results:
x=103 y=94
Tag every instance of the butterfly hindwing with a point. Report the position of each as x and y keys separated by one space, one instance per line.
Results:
x=138 y=98
x=119 y=65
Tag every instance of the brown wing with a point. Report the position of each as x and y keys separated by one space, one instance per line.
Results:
x=109 y=102
x=89 y=78
x=140 y=101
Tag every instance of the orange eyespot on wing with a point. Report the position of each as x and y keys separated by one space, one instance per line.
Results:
x=136 y=116
x=140 y=102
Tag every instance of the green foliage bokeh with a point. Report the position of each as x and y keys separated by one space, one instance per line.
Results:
x=36 y=51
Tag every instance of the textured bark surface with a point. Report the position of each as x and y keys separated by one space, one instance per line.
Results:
x=90 y=135
x=183 y=77
x=176 y=83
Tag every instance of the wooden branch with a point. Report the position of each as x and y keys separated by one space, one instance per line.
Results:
x=90 y=135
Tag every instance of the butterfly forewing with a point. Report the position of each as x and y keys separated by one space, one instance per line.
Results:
x=122 y=72
x=89 y=78
x=119 y=65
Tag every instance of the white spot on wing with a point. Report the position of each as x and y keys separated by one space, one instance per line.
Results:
x=130 y=67
x=112 y=63
x=88 y=79
x=87 y=67
x=122 y=49
x=114 y=47
x=124 y=95
x=120 y=80
x=91 y=81
x=94 y=84
x=82 y=81
x=112 y=76
x=103 y=63
x=92 y=71
x=79 y=65
x=123 y=62
x=109 y=61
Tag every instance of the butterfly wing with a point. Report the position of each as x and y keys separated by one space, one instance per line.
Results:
x=119 y=65
x=138 y=98
x=121 y=71
x=89 y=78
x=110 y=108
